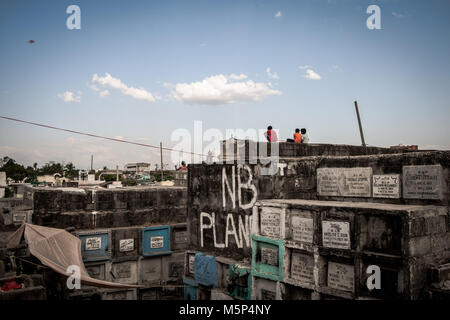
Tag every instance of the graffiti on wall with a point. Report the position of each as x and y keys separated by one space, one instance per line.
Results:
x=237 y=226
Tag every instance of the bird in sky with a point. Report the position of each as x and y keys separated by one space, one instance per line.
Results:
x=30 y=41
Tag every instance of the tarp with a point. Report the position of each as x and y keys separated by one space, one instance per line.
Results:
x=58 y=249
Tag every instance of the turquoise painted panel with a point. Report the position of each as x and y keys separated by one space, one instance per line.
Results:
x=95 y=246
x=241 y=282
x=156 y=241
x=190 y=289
x=268 y=258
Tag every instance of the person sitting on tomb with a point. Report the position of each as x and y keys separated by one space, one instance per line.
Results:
x=271 y=135
x=297 y=136
x=305 y=138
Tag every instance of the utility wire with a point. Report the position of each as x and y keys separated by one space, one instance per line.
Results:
x=98 y=136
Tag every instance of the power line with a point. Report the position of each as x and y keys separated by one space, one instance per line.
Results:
x=98 y=136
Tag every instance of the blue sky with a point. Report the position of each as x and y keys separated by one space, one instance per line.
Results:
x=208 y=61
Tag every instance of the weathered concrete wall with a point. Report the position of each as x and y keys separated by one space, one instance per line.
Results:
x=71 y=207
x=220 y=196
x=241 y=149
x=12 y=212
x=317 y=240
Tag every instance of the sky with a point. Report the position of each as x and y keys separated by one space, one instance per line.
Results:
x=143 y=70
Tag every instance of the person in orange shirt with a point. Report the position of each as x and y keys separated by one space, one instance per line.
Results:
x=297 y=136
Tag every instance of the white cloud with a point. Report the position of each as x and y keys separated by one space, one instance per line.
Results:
x=69 y=96
x=237 y=77
x=398 y=15
x=304 y=67
x=104 y=93
x=272 y=75
x=217 y=89
x=336 y=68
x=115 y=83
x=310 y=74
x=278 y=14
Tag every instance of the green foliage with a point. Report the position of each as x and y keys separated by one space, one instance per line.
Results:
x=111 y=177
x=8 y=193
x=18 y=172
x=14 y=170
x=70 y=171
x=166 y=176
x=129 y=183
x=51 y=168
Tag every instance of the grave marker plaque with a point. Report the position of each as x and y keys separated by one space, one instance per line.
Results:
x=19 y=217
x=302 y=229
x=181 y=237
x=345 y=182
x=157 y=242
x=302 y=266
x=267 y=294
x=123 y=270
x=150 y=270
x=93 y=243
x=336 y=234
x=175 y=269
x=328 y=181
x=270 y=223
x=269 y=256
x=341 y=276
x=191 y=263
x=96 y=271
x=422 y=182
x=126 y=245
x=386 y=186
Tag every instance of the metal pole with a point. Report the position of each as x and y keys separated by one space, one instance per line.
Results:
x=360 y=126
x=162 y=173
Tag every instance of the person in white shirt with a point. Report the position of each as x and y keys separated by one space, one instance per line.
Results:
x=305 y=138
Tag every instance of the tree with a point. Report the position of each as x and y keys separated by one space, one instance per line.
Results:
x=13 y=170
x=51 y=168
x=70 y=171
